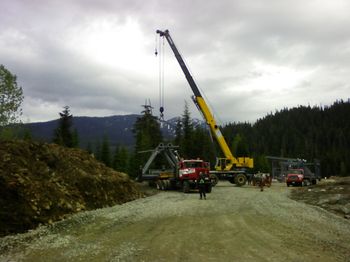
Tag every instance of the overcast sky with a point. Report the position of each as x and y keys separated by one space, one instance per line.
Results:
x=248 y=57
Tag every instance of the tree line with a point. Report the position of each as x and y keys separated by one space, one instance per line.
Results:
x=311 y=133
x=304 y=132
x=319 y=132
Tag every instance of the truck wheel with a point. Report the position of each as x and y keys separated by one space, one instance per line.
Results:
x=214 y=179
x=186 y=187
x=166 y=184
x=288 y=184
x=160 y=185
x=240 y=180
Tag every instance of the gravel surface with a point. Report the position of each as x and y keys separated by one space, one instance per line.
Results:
x=233 y=224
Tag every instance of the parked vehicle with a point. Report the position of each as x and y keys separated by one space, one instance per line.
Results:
x=175 y=172
x=295 y=177
x=300 y=177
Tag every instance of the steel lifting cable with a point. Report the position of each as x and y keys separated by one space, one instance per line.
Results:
x=161 y=45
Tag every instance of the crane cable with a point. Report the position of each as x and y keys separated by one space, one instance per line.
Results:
x=160 y=45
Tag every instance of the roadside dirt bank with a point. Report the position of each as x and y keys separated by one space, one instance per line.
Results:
x=42 y=183
x=331 y=194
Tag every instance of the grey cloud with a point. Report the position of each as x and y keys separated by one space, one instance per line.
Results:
x=220 y=41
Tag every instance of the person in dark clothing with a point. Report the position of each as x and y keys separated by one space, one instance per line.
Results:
x=249 y=179
x=201 y=186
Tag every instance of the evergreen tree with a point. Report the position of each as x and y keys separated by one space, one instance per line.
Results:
x=187 y=145
x=120 y=159
x=303 y=132
x=63 y=134
x=105 y=152
x=178 y=132
x=148 y=135
x=89 y=148
x=27 y=134
x=203 y=146
x=240 y=146
x=98 y=150
x=75 y=138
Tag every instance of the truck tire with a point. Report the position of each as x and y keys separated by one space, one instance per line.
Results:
x=160 y=185
x=240 y=180
x=186 y=186
x=167 y=185
x=214 y=179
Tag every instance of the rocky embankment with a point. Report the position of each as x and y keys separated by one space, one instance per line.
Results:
x=332 y=194
x=41 y=183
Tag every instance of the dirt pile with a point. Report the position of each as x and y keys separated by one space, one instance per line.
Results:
x=41 y=183
x=331 y=194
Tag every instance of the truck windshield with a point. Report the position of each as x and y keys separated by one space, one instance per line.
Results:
x=295 y=172
x=193 y=164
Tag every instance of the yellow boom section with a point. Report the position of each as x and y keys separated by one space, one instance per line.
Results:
x=229 y=161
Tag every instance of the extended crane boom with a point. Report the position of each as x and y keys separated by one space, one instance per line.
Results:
x=229 y=162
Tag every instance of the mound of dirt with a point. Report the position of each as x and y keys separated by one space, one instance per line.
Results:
x=41 y=183
x=331 y=194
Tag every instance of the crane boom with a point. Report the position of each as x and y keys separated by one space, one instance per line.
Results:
x=229 y=161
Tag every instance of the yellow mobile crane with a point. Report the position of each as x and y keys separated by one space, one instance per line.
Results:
x=228 y=167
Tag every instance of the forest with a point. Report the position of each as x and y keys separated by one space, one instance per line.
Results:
x=312 y=133
x=303 y=132
x=319 y=132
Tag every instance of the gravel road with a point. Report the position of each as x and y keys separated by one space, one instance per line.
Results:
x=233 y=224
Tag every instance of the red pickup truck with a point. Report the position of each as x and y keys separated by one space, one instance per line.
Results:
x=295 y=177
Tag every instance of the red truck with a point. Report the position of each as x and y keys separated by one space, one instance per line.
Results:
x=298 y=177
x=177 y=173
x=295 y=177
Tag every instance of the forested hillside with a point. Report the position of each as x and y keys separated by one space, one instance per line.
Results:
x=303 y=132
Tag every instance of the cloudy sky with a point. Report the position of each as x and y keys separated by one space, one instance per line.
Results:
x=248 y=57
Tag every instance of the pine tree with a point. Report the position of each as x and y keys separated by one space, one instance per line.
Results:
x=178 y=132
x=187 y=128
x=148 y=135
x=63 y=134
x=89 y=148
x=120 y=159
x=75 y=138
x=105 y=152
x=98 y=150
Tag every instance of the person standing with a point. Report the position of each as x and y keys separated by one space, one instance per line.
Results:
x=249 y=179
x=201 y=185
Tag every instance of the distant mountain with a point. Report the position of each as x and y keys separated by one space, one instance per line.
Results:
x=92 y=129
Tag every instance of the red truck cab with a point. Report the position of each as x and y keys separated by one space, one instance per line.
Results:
x=295 y=177
x=189 y=172
x=190 y=169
